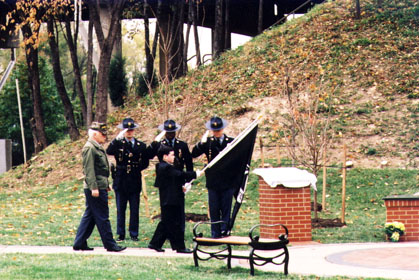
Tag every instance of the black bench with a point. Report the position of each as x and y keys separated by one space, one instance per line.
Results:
x=256 y=256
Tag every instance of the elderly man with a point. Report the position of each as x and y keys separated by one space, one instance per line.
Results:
x=131 y=158
x=96 y=187
x=220 y=195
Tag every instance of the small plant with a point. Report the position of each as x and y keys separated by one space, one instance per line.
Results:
x=394 y=230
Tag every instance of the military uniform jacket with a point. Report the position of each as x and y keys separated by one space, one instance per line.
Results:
x=170 y=180
x=211 y=149
x=130 y=161
x=182 y=154
x=95 y=166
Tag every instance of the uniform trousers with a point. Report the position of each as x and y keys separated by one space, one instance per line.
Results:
x=170 y=227
x=122 y=198
x=96 y=213
x=220 y=209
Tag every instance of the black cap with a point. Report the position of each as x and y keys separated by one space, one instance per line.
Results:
x=128 y=123
x=98 y=126
x=216 y=123
x=169 y=126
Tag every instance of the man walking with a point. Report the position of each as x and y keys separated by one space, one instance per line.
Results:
x=131 y=158
x=96 y=187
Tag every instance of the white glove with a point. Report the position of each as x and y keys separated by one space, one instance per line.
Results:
x=121 y=134
x=187 y=187
x=198 y=173
x=205 y=137
x=160 y=136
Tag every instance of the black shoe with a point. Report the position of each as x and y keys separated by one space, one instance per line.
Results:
x=160 y=250
x=184 y=251
x=134 y=238
x=84 y=248
x=120 y=238
x=116 y=248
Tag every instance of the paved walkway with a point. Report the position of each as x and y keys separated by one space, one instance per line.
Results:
x=385 y=260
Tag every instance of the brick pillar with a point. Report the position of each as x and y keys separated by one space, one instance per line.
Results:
x=287 y=206
x=404 y=209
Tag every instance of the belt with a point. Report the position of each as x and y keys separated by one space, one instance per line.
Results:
x=128 y=167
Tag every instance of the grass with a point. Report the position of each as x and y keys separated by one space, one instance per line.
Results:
x=29 y=266
x=50 y=215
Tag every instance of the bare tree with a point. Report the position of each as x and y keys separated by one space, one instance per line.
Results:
x=306 y=130
x=89 y=75
x=59 y=80
x=106 y=43
x=72 y=46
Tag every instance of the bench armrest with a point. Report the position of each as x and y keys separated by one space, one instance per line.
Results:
x=281 y=237
x=200 y=234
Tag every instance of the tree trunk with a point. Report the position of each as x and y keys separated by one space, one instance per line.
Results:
x=59 y=81
x=357 y=9
x=227 y=32
x=106 y=46
x=260 y=17
x=40 y=139
x=148 y=57
x=217 y=42
x=196 y=37
x=89 y=75
x=77 y=73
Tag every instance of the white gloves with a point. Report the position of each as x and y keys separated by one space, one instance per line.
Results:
x=199 y=173
x=187 y=187
x=121 y=134
x=160 y=136
x=205 y=137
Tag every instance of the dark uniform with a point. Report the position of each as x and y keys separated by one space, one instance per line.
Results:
x=131 y=158
x=96 y=171
x=183 y=157
x=220 y=195
x=169 y=181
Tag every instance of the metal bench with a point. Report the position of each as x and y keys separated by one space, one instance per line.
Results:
x=257 y=255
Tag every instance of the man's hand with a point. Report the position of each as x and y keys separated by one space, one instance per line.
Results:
x=198 y=173
x=187 y=187
x=160 y=136
x=205 y=137
x=121 y=134
x=95 y=193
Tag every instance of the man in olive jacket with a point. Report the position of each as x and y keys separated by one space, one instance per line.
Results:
x=96 y=187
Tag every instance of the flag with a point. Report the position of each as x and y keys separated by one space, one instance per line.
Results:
x=232 y=165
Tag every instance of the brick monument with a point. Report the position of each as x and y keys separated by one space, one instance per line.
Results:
x=284 y=197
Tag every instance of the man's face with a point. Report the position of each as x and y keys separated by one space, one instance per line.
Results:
x=170 y=158
x=218 y=133
x=170 y=135
x=129 y=134
x=100 y=137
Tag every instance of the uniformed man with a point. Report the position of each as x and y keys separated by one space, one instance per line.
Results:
x=96 y=187
x=183 y=156
x=131 y=158
x=220 y=195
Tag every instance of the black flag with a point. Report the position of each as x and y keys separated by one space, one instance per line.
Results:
x=232 y=165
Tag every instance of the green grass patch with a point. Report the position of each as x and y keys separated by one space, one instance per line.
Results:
x=78 y=266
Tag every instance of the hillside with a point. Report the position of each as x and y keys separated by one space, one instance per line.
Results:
x=367 y=69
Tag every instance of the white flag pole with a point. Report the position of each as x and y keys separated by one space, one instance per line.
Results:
x=21 y=121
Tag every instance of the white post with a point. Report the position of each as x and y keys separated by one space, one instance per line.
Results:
x=21 y=121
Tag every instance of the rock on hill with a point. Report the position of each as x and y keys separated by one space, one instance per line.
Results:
x=364 y=73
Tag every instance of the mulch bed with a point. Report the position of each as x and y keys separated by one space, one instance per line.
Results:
x=326 y=223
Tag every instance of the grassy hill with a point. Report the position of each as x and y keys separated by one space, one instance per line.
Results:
x=367 y=70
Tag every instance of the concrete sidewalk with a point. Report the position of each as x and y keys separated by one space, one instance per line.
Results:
x=385 y=260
